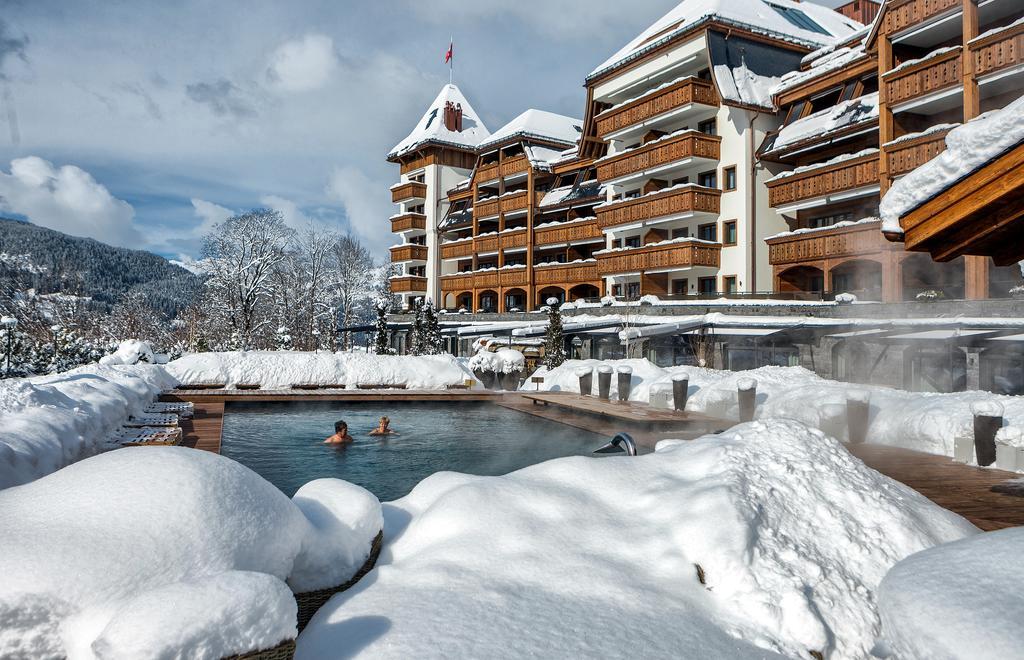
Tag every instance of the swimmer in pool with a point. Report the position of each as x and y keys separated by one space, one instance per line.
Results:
x=383 y=427
x=341 y=436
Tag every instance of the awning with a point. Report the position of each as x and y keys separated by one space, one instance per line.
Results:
x=567 y=328
x=685 y=325
x=943 y=334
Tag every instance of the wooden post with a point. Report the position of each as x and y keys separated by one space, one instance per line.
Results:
x=988 y=418
x=604 y=382
x=746 y=397
x=680 y=391
x=625 y=382
x=586 y=376
x=858 y=409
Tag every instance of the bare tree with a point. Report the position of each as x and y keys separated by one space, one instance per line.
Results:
x=317 y=256
x=355 y=281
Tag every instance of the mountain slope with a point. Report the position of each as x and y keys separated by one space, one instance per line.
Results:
x=52 y=262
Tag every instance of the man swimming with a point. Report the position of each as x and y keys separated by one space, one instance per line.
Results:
x=383 y=427
x=341 y=436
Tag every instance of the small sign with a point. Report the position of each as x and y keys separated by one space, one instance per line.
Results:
x=537 y=379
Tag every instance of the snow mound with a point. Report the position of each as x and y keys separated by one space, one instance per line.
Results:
x=960 y=600
x=131 y=351
x=155 y=524
x=282 y=369
x=767 y=538
x=48 y=422
x=502 y=361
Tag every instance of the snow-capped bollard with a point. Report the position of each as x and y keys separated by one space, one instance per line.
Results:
x=625 y=380
x=858 y=409
x=680 y=391
x=746 y=397
x=604 y=382
x=988 y=419
x=586 y=376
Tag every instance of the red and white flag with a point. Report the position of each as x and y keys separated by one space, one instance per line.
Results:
x=449 y=53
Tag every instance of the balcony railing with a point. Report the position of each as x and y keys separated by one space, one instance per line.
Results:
x=515 y=239
x=408 y=253
x=908 y=155
x=407 y=191
x=487 y=172
x=457 y=250
x=998 y=51
x=822 y=181
x=571 y=232
x=486 y=280
x=934 y=74
x=408 y=222
x=486 y=244
x=672 y=201
x=409 y=284
x=660 y=152
x=901 y=15
x=514 y=277
x=486 y=209
x=565 y=274
x=457 y=282
x=515 y=165
x=682 y=93
x=660 y=257
x=861 y=239
x=515 y=201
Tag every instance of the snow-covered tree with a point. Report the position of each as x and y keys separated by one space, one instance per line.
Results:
x=381 y=334
x=355 y=282
x=283 y=339
x=554 y=340
x=432 y=342
x=416 y=336
x=133 y=318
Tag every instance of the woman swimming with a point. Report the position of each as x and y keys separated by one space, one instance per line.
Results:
x=383 y=427
x=341 y=436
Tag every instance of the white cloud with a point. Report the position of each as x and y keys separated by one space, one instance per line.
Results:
x=289 y=210
x=67 y=199
x=366 y=203
x=304 y=64
x=210 y=214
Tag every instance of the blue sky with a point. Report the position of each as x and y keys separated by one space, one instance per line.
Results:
x=142 y=123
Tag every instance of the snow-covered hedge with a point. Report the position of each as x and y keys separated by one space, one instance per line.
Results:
x=768 y=536
x=282 y=369
x=926 y=422
x=502 y=361
x=131 y=351
x=47 y=422
x=168 y=552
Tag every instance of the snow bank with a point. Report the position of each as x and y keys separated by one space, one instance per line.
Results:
x=131 y=351
x=47 y=422
x=282 y=369
x=790 y=533
x=961 y=600
x=921 y=421
x=157 y=533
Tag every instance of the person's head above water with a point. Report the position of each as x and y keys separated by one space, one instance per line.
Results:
x=340 y=426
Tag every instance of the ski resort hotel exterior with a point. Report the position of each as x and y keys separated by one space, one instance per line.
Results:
x=729 y=149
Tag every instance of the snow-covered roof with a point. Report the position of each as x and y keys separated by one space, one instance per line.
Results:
x=783 y=19
x=820 y=124
x=968 y=148
x=538 y=124
x=827 y=62
x=431 y=128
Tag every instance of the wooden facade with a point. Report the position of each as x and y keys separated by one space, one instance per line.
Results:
x=907 y=155
x=841 y=177
x=659 y=257
x=408 y=191
x=409 y=284
x=408 y=222
x=929 y=76
x=660 y=102
x=574 y=231
x=408 y=252
x=672 y=201
x=658 y=153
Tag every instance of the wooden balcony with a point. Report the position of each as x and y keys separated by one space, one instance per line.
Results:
x=570 y=233
x=658 y=153
x=457 y=250
x=401 y=253
x=514 y=277
x=682 y=93
x=408 y=222
x=858 y=240
x=901 y=15
x=935 y=74
x=409 y=284
x=822 y=181
x=457 y=283
x=512 y=240
x=484 y=244
x=488 y=172
x=659 y=257
x=672 y=201
x=1002 y=50
x=486 y=209
x=408 y=191
x=515 y=202
x=486 y=280
x=908 y=155
x=565 y=274
x=514 y=165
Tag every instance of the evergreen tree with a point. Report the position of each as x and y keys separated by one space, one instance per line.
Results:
x=416 y=344
x=433 y=343
x=283 y=339
x=554 y=340
x=381 y=335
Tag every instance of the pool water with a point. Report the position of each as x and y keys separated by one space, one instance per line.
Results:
x=283 y=443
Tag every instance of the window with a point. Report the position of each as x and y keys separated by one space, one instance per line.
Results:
x=826 y=99
x=798 y=19
x=796 y=111
x=680 y=232
x=631 y=242
x=633 y=290
x=729 y=233
x=708 y=232
x=849 y=91
x=708 y=179
x=729 y=178
x=706 y=286
x=680 y=181
x=708 y=127
x=829 y=220
x=729 y=284
x=680 y=287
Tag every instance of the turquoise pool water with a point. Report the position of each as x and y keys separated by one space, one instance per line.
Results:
x=284 y=442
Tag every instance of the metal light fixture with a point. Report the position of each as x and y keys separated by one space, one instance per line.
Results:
x=9 y=323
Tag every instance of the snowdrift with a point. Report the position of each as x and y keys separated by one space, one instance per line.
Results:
x=767 y=538
x=958 y=601
x=282 y=369
x=47 y=422
x=171 y=551
x=925 y=422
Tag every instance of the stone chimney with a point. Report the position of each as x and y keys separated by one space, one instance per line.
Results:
x=453 y=116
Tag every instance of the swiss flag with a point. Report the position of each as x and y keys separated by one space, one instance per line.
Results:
x=448 y=55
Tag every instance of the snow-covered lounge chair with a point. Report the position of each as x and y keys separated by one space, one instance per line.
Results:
x=183 y=409
x=201 y=386
x=391 y=386
x=247 y=386
x=149 y=435
x=152 y=419
x=311 y=601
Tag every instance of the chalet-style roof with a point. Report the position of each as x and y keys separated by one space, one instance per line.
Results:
x=825 y=63
x=802 y=23
x=539 y=125
x=825 y=123
x=431 y=129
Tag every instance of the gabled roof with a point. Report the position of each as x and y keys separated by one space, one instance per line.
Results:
x=786 y=20
x=538 y=124
x=431 y=129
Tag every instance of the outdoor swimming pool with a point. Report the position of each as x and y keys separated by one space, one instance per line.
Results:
x=284 y=442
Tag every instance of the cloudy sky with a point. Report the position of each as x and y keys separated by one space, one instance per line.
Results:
x=143 y=123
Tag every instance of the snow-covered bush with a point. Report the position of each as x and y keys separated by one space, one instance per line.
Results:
x=502 y=361
x=1017 y=291
x=930 y=295
x=607 y=301
x=768 y=537
x=131 y=351
x=846 y=298
x=650 y=299
x=99 y=548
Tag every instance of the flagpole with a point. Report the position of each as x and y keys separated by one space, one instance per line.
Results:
x=451 y=60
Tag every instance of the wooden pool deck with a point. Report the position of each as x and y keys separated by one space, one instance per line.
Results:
x=960 y=488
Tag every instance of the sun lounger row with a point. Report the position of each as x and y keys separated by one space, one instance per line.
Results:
x=183 y=409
